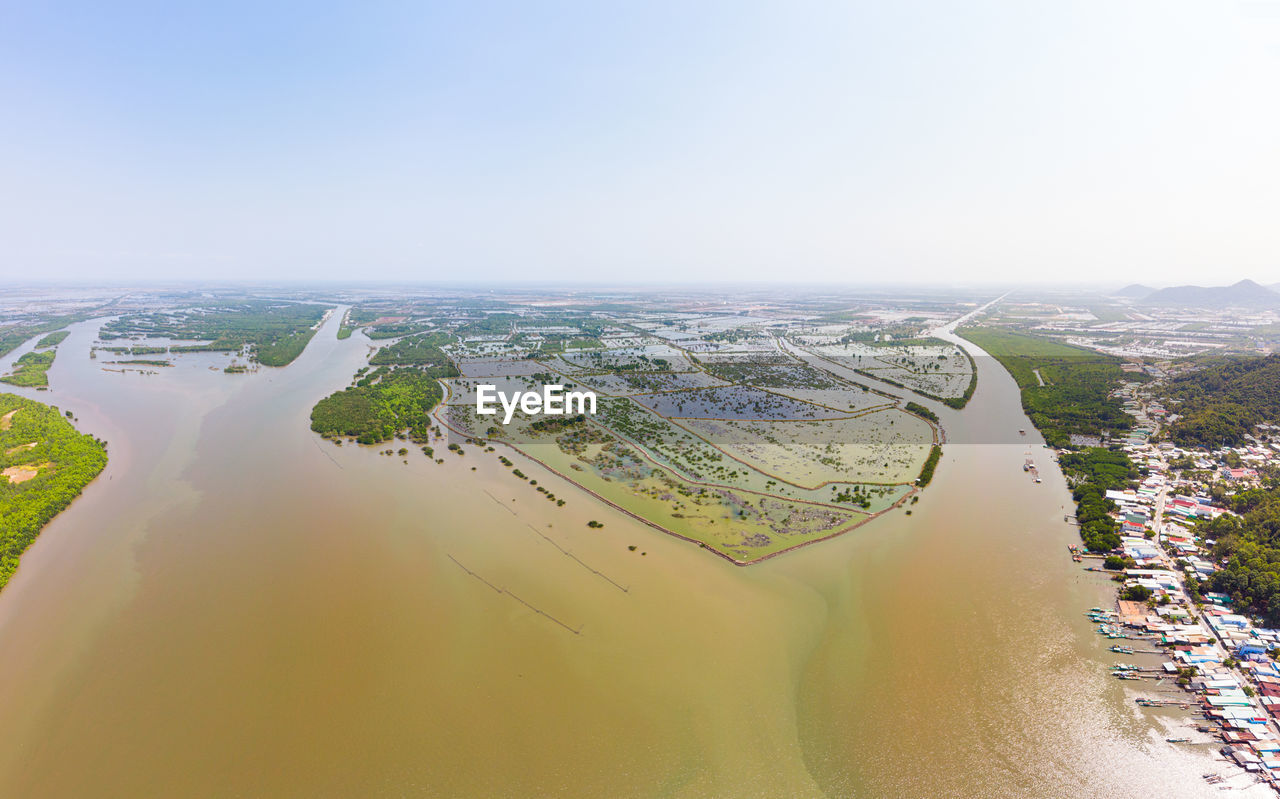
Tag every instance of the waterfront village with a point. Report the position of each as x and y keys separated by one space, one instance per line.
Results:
x=1213 y=661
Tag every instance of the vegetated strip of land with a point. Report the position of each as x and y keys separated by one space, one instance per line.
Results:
x=1077 y=401
x=144 y=350
x=53 y=339
x=930 y=463
x=396 y=396
x=31 y=370
x=1091 y=473
x=12 y=337
x=37 y=482
x=921 y=411
x=275 y=332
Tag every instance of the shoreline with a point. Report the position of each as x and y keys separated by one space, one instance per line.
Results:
x=702 y=544
x=936 y=430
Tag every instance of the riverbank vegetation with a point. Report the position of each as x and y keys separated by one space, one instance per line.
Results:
x=1067 y=390
x=930 y=463
x=959 y=402
x=1075 y=397
x=44 y=464
x=1092 y=473
x=31 y=370
x=274 y=332
x=53 y=339
x=922 y=411
x=12 y=336
x=382 y=404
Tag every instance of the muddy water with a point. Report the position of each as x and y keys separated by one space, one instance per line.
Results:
x=236 y=608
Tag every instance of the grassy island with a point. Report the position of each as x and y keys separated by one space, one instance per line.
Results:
x=31 y=370
x=53 y=339
x=346 y=327
x=44 y=464
x=143 y=362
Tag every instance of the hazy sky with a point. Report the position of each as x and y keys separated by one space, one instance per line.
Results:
x=1077 y=139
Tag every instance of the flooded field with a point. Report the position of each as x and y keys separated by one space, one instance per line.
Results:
x=886 y=446
x=236 y=607
x=732 y=402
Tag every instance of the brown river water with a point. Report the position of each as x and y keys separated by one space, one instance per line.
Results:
x=236 y=608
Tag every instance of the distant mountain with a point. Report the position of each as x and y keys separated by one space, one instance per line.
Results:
x=1245 y=294
x=1135 y=290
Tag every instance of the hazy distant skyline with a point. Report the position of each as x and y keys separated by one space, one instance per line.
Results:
x=713 y=141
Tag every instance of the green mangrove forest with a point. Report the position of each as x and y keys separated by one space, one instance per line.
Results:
x=44 y=464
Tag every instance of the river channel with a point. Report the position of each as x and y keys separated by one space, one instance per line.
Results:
x=237 y=608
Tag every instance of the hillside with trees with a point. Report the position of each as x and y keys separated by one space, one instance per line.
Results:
x=1223 y=401
x=1249 y=546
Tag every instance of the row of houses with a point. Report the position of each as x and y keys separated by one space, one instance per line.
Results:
x=1218 y=654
